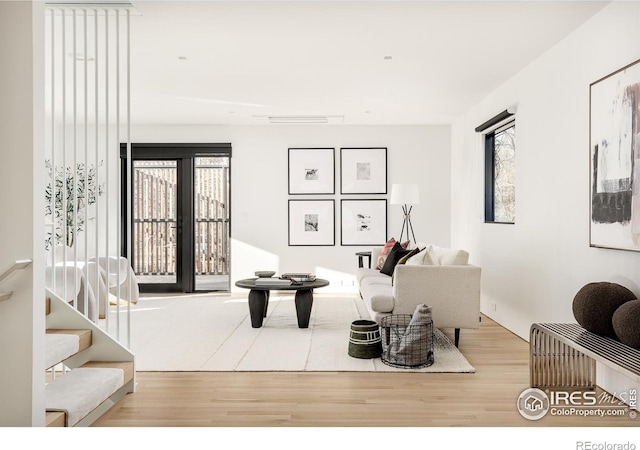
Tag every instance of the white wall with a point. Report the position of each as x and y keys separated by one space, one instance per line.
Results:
x=259 y=189
x=533 y=269
x=21 y=199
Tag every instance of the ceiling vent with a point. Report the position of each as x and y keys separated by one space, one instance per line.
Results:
x=302 y=119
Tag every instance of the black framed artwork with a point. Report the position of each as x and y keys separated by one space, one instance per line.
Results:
x=614 y=106
x=311 y=171
x=312 y=222
x=363 y=222
x=363 y=170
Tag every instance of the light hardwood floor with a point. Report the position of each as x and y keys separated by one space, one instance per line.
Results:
x=486 y=398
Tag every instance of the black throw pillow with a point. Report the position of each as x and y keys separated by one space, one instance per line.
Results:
x=396 y=253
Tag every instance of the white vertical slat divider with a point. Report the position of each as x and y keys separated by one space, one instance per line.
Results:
x=65 y=20
x=52 y=204
x=64 y=147
x=96 y=119
x=119 y=201
x=74 y=209
x=129 y=177
x=107 y=131
x=86 y=160
x=53 y=151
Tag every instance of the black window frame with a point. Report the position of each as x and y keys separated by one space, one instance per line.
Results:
x=497 y=124
x=184 y=154
x=489 y=177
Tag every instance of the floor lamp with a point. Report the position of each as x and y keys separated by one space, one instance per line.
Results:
x=406 y=195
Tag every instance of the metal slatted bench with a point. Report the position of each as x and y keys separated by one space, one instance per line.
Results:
x=564 y=355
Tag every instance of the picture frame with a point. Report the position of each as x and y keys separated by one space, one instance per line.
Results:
x=311 y=171
x=312 y=222
x=614 y=160
x=363 y=170
x=363 y=222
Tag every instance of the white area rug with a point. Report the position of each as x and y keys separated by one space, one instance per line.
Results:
x=213 y=333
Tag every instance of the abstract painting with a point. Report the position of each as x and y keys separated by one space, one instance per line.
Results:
x=615 y=160
x=311 y=171
x=363 y=222
x=363 y=170
x=311 y=222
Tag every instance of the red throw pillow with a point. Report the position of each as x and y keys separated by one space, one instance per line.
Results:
x=384 y=252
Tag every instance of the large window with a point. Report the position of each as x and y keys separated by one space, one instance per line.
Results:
x=500 y=174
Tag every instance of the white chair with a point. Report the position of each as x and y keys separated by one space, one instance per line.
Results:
x=68 y=282
x=100 y=277
x=118 y=273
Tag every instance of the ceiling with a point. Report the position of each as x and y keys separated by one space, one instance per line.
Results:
x=355 y=62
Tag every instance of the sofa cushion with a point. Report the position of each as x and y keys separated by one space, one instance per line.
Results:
x=405 y=258
x=374 y=276
x=379 y=297
x=431 y=257
x=395 y=255
x=455 y=258
x=416 y=260
x=411 y=253
x=382 y=256
x=445 y=257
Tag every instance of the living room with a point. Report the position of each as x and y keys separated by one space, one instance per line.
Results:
x=531 y=269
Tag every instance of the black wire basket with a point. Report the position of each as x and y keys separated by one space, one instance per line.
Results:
x=404 y=345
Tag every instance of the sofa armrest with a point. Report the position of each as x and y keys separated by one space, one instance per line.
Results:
x=452 y=291
x=375 y=254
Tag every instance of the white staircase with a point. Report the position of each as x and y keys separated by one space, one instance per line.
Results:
x=87 y=370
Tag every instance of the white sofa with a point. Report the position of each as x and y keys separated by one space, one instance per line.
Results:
x=443 y=280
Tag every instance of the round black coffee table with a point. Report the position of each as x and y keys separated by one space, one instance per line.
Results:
x=259 y=299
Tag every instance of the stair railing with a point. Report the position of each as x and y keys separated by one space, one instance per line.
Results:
x=19 y=264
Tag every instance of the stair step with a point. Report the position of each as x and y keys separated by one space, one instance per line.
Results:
x=84 y=335
x=61 y=344
x=126 y=367
x=59 y=347
x=81 y=390
x=55 y=419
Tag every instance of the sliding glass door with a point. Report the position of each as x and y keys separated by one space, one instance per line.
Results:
x=211 y=210
x=181 y=217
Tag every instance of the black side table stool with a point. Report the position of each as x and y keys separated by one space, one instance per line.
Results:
x=360 y=255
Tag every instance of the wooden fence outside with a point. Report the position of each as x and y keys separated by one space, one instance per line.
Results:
x=155 y=219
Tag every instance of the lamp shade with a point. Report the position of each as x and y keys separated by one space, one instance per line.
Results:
x=405 y=194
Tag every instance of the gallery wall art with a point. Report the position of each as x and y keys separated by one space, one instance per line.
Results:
x=311 y=171
x=615 y=160
x=311 y=222
x=363 y=222
x=363 y=170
